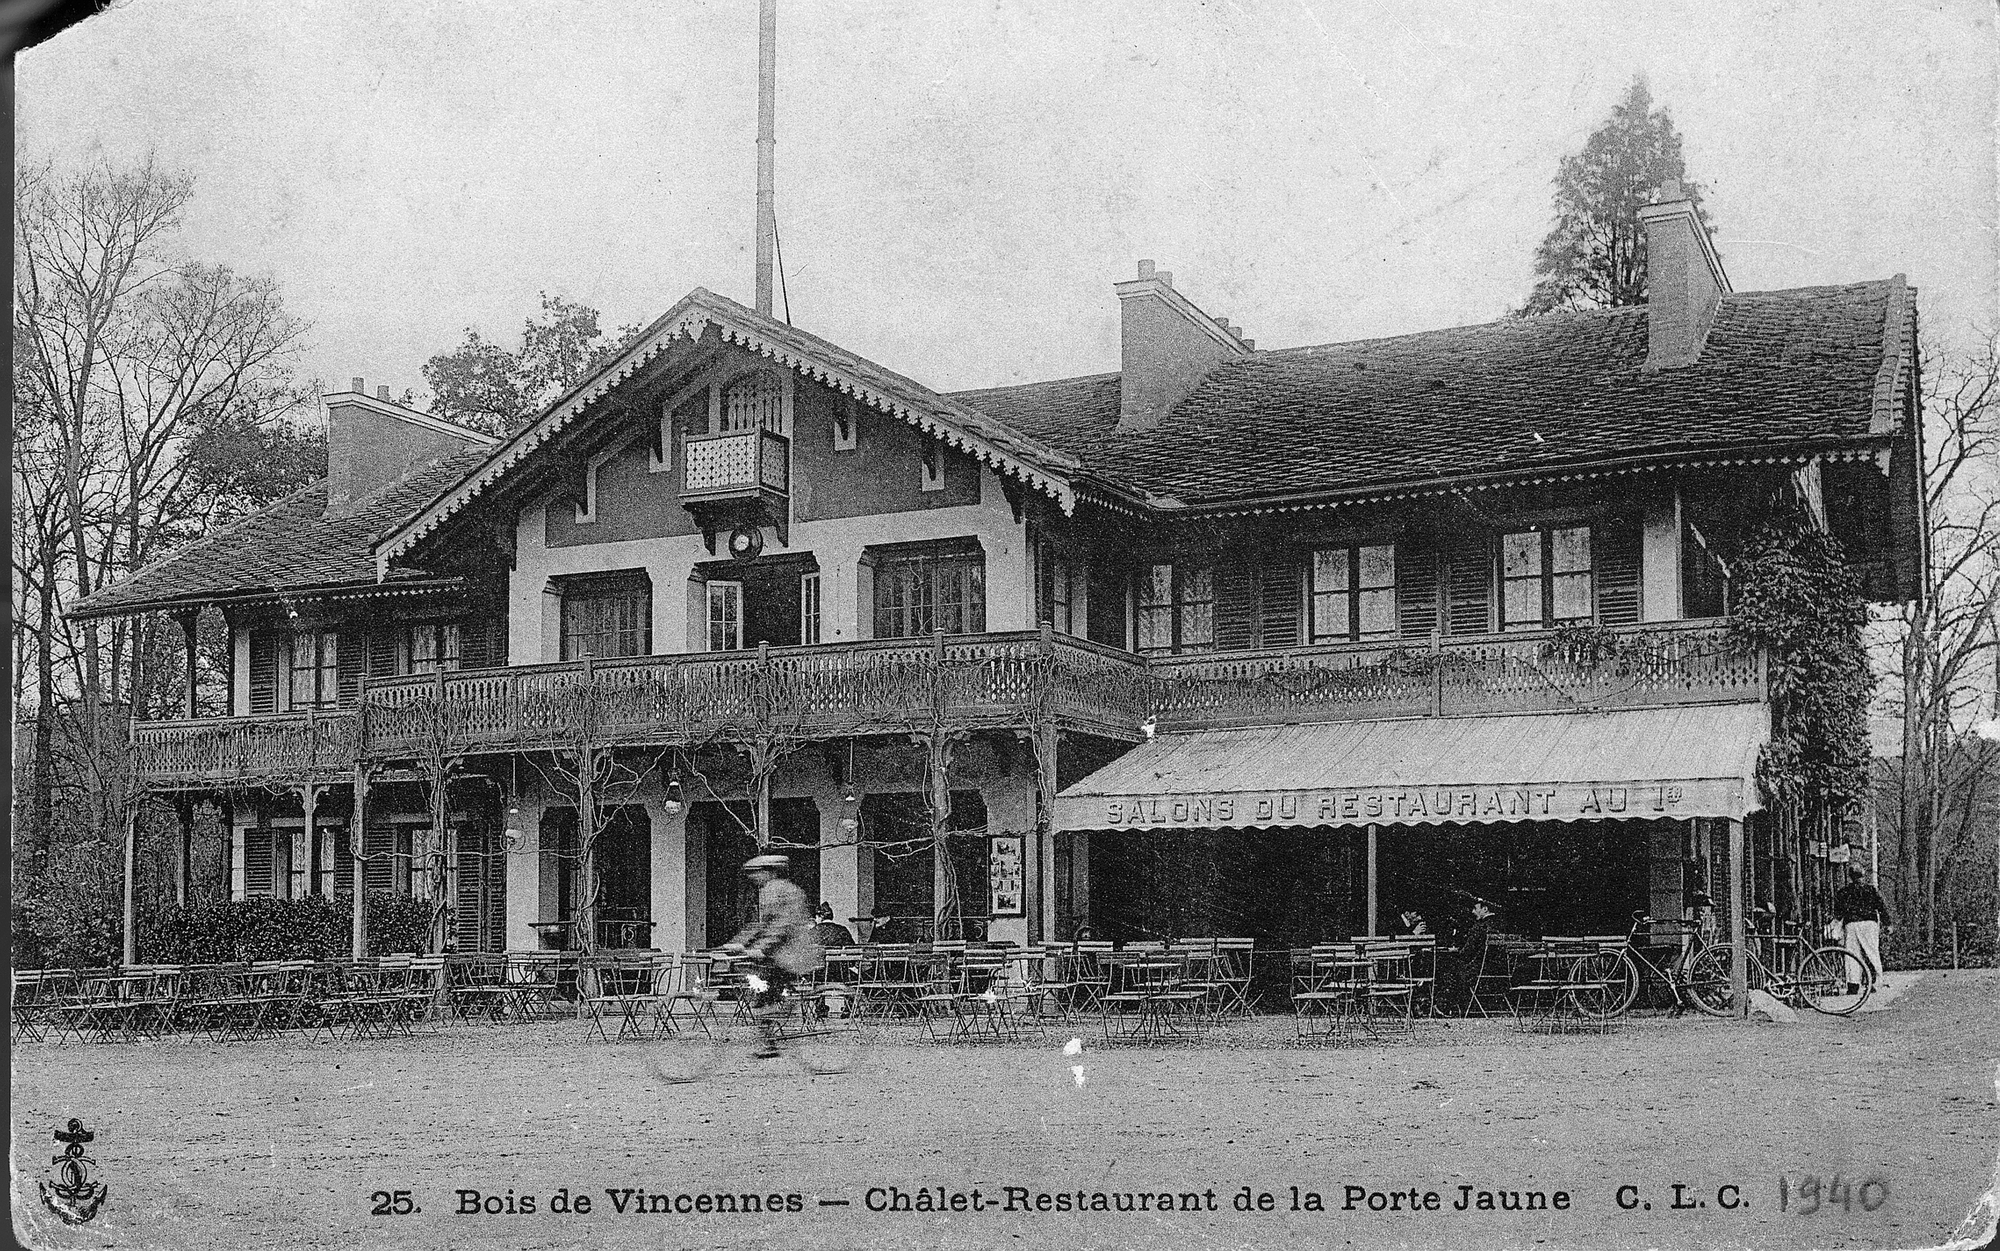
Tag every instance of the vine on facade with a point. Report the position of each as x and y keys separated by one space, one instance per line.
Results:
x=1796 y=596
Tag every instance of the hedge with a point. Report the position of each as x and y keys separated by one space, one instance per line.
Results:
x=318 y=927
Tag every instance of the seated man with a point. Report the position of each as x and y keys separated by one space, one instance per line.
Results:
x=888 y=929
x=1458 y=971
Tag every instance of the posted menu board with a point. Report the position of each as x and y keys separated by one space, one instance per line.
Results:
x=1005 y=877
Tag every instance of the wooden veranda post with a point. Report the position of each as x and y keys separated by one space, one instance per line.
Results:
x=1738 y=931
x=357 y=839
x=130 y=952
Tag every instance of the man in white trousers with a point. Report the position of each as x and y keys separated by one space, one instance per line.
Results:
x=1863 y=917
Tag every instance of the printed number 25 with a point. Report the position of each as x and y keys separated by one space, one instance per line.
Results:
x=391 y=1203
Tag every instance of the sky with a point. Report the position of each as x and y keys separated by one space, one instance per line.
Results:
x=959 y=184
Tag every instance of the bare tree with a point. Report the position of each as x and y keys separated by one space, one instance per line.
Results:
x=1946 y=645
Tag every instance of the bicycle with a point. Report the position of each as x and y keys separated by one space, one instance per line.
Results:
x=1622 y=972
x=802 y=1027
x=1822 y=980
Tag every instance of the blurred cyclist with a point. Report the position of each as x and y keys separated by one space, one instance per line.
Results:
x=780 y=943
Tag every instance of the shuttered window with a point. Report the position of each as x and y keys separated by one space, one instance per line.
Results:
x=1176 y=608
x=1569 y=575
x=314 y=670
x=264 y=650
x=434 y=647
x=1353 y=592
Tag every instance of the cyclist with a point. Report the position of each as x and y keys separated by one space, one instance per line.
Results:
x=780 y=943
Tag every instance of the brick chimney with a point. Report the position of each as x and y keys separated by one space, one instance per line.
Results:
x=371 y=442
x=1166 y=347
x=1684 y=279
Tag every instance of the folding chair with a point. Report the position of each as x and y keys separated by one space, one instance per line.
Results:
x=476 y=983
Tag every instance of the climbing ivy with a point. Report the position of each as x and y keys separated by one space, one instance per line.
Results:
x=1796 y=596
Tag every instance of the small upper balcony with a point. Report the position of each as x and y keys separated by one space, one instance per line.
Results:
x=1024 y=681
x=735 y=479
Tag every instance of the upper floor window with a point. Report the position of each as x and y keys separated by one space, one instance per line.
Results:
x=928 y=589
x=315 y=669
x=1176 y=608
x=1545 y=578
x=757 y=401
x=1353 y=592
x=434 y=647
x=1059 y=591
x=809 y=608
x=607 y=615
x=725 y=616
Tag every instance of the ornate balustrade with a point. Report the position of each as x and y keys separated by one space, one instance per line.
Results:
x=1685 y=662
x=1017 y=680
x=296 y=746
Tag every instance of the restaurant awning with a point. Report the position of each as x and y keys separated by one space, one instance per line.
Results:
x=1693 y=761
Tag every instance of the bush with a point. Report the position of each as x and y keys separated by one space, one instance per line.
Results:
x=68 y=912
x=318 y=927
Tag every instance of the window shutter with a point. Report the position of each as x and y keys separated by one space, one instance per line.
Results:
x=1235 y=607
x=257 y=860
x=1416 y=588
x=343 y=861
x=381 y=655
x=1278 y=603
x=1468 y=586
x=263 y=672
x=471 y=876
x=379 y=874
x=1618 y=571
x=353 y=662
x=482 y=643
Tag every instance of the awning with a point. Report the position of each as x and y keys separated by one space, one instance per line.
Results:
x=1694 y=761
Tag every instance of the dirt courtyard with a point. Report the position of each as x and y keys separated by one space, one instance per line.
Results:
x=287 y=1143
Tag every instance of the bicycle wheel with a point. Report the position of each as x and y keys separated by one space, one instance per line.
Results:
x=688 y=1056
x=1618 y=978
x=818 y=1041
x=1834 y=980
x=1706 y=982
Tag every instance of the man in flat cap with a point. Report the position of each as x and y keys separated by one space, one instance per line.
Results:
x=779 y=942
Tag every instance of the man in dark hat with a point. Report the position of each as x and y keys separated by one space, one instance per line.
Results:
x=1458 y=971
x=780 y=942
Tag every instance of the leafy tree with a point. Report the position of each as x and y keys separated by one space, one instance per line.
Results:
x=1595 y=254
x=483 y=385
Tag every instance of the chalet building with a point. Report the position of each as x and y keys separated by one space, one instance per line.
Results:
x=1276 y=642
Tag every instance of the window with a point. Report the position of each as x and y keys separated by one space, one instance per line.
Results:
x=933 y=468
x=315 y=666
x=1060 y=581
x=809 y=608
x=1353 y=592
x=1176 y=609
x=846 y=424
x=607 y=616
x=919 y=592
x=1545 y=578
x=725 y=616
x=756 y=401
x=434 y=647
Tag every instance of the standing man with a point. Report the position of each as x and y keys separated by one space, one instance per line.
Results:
x=1863 y=917
x=780 y=943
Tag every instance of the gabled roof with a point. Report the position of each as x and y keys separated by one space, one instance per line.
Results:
x=1006 y=449
x=290 y=548
x=1812 y=367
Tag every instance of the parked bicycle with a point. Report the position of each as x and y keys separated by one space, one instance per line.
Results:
x=816 y=1032
x=1832 y=980
x=1673 y=954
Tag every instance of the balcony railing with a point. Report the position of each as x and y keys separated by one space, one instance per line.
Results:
x=986 y=681
x=736 y=465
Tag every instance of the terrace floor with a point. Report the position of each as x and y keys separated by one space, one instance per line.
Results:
x=281 y=1143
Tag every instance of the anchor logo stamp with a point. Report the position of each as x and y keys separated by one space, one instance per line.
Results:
x=74 y=1197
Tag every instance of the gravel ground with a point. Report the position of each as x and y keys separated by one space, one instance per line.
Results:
x=283 y=1143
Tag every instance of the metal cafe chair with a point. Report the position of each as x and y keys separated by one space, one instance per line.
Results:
x=628 y=986
x=28 y=1007
x=476 y=985
x=1233 y=957
x=1390 y=990
x=531 y=979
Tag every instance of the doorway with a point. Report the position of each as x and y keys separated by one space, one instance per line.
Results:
x=772 y=600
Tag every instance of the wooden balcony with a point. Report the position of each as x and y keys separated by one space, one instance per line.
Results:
x=309 y=746
x=971 y=682
x=1683 y=662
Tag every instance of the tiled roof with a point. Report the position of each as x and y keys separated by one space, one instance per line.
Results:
x=287 y=548
x=1779 y=368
